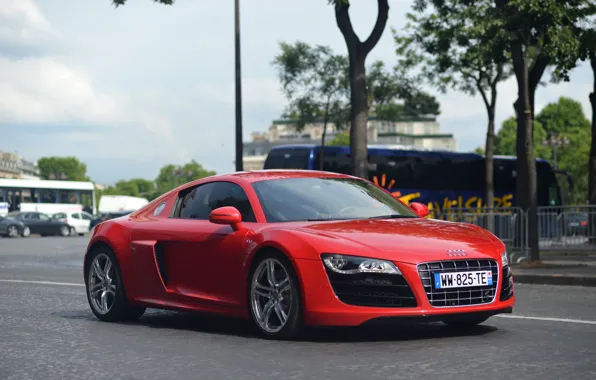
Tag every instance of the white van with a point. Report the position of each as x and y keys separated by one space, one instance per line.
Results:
x=117 y=203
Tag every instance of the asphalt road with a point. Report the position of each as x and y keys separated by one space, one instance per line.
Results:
x=48 y=332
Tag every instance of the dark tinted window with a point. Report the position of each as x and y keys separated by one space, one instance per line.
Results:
x=288 y=159
x=294 y=199
x=335 y=162
x=198 y=202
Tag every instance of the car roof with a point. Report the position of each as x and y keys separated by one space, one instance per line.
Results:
x=274 y=174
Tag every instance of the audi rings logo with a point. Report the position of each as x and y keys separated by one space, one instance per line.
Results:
x=456 y=252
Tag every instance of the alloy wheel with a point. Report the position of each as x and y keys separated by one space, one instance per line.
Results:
x=271 y=295
x=102 y=287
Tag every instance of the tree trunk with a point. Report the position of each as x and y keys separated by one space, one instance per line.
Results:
x=322 y=152
x=526 y=163
x=488 y=166
x=592 y=161
x=358 y=51
x=359 y=117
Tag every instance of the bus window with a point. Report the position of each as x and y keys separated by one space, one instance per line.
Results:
x=334 y=161
x=288 y=159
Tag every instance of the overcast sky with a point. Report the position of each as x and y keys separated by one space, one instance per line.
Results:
x=128 y=90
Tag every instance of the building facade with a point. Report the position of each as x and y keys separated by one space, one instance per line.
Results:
x=423 y=134
x=14 y=166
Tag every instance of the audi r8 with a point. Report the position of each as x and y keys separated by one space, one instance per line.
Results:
x=288 y=249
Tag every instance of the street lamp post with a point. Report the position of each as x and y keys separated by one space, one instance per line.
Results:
x=239 y=166
x=555 y=141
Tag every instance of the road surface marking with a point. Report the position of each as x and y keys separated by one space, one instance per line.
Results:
x=43 y=282
x=566 y=320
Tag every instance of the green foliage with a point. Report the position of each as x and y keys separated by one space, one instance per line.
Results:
x=62 y=168
x=172 y=176
x=315 y=83
x=567 y=119
x=136 y=187
x=394 y=97
x=456 y=45
x=341 y=139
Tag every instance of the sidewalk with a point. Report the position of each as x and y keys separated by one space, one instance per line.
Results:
x=572 y=269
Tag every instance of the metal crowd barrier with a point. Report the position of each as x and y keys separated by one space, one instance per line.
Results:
x=560 y=228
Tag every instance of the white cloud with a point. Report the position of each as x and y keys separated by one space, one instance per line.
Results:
x=131 y=89
x=21 y=21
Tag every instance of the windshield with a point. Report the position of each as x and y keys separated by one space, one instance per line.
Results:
x=298 y=199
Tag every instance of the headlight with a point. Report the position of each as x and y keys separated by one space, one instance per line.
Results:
x=504 y=259
x=352 y=264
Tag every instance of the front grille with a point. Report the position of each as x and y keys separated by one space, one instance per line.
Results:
x=506 y=284
x=372 y=289
x=467 y=296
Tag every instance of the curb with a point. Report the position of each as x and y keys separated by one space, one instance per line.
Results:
x=549 y=279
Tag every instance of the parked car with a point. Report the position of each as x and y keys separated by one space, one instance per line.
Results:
x=107 y=216
x=41 y=224
x=78 y=221
x=11 y=227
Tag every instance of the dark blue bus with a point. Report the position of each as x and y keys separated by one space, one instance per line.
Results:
x=441 y=180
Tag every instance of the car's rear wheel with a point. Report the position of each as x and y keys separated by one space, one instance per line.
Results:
x=464 y=322
x=26 y=232
x=64 y=231
x=105 y=289
x=274 y=298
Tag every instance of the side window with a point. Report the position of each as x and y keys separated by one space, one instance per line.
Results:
x=86 y=216
x=75 y=215
x=43 y=217
x=201 y=200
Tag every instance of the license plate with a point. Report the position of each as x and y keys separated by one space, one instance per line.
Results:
x=463 y=279
x=574 y=224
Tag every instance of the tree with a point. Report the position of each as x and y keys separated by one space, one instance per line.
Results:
x=172 y=176
x=62 y=168
x=457 y=46
x=315 y=82
x=341 y=139
x=357 y=53
x=394 y=97
x=136 y=187
x=544 y=30
x=567 y=119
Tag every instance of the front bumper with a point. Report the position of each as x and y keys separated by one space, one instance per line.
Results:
x=324 y=308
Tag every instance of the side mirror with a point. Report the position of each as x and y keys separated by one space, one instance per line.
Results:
x=420 y=209
x=227 y=215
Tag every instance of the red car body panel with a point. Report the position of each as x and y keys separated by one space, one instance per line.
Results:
x=208 y=264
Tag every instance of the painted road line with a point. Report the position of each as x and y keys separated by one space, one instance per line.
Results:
x=565 y=320
x=42 y=282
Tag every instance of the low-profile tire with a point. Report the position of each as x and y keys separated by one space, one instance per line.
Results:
x=465 y=322
x=108 y=289
x=270 y=302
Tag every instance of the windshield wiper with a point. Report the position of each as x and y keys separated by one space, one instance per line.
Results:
x=392 y=216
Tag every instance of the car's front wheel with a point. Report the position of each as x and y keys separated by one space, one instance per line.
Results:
x=274 y=298
x=105 y=289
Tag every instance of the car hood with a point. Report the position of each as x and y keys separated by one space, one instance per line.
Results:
x=406 y=240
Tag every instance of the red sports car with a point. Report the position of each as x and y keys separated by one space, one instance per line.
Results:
x=289 y=249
